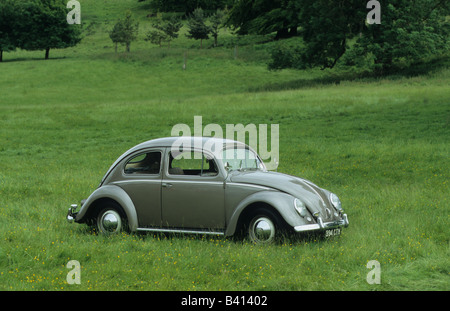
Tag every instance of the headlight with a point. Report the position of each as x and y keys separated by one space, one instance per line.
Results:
x=335 y=202
x=300 y=207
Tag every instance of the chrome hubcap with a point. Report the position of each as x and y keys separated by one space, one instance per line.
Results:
x=262 y=230
x=110 y=222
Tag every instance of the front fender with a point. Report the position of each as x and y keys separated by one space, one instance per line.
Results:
x=114 y=193
x=282 y=202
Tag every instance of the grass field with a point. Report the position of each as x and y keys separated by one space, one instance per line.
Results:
x=381 y=144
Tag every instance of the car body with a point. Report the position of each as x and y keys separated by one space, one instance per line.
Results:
x=207 y=186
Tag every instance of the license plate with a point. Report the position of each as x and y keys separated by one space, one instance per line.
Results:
x=332 y=232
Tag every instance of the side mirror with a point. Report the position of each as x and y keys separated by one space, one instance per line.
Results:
x=227 y=166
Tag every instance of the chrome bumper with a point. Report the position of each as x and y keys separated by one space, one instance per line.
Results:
x=71 y=214
x=320 y=225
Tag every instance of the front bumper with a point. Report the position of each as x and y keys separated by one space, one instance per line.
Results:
x=322 y=226
x=72 y=214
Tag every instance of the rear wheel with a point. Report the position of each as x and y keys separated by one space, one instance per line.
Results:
x=111 y=220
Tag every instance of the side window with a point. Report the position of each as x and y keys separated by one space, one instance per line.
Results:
x=145 y=163
x=191 y=163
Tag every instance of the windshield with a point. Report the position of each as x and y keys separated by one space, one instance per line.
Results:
x=241 y=159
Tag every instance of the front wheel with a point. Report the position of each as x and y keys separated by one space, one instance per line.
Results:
x=109 y=221
x=263 y=227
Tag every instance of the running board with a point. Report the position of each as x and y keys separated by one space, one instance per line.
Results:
x=181 y=231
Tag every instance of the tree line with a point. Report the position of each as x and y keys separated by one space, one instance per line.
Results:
x=330 y=30
x=36 y=25
x=166 y=29
x=320 y=32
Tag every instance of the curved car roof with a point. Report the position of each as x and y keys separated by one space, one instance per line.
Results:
x=192 y=141
x=186 y=140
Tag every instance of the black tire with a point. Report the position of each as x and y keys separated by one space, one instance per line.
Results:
x=111 y=219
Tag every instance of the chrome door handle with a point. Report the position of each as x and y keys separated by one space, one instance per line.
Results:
x=166 y=185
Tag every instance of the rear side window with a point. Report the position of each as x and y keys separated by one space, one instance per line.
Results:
x=144 y=163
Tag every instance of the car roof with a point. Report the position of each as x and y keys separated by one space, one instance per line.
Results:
x=184 y=140
x=165 y=142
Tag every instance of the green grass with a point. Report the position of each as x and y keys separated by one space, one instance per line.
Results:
x=381 y=144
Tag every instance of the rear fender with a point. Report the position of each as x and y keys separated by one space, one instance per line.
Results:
x=113 y=193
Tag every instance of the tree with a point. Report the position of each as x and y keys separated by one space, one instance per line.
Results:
x=156 y=36
x=171 y=28
x=327 y=26
x=168 y=29
x=7 y=22
x=217 y=20
x=125 y=31
x=164 y=30
x=42 y=25
x=198 y=30
x=116 y=34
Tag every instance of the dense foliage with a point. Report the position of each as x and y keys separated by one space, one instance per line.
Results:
x=409 y=31
x=7 y=33
x=188 y=6
x=266 y=16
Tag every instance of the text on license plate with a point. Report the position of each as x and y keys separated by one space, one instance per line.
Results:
x=332 y=232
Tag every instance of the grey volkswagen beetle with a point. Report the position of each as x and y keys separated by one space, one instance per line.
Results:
x=206 y=186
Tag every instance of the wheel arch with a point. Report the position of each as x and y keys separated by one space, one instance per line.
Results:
x=250 y=210
x=103 y=195
x=97 y=205
x=279 y=203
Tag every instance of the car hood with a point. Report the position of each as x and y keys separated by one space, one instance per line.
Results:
x=315 y=198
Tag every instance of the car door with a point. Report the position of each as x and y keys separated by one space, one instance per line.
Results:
x=142 y=173
x=192 y=191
